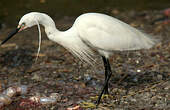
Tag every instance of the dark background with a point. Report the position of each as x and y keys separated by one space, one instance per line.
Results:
x=11 y=11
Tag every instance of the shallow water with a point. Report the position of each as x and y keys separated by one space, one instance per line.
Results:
x=11 y=11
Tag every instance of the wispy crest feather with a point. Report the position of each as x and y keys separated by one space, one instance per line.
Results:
x=39 y=43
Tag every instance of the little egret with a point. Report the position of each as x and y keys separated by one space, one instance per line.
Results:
x=90 y=31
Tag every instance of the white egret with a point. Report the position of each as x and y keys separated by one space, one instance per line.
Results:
x=90 y=31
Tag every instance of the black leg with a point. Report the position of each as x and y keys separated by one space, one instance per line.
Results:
x=106 y=73
x=109 y=73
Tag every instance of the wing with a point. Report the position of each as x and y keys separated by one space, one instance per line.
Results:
x=107 y=33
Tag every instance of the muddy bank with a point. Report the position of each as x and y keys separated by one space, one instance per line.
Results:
x=141 y=79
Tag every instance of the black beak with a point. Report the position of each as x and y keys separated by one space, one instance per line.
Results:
x=10 y=35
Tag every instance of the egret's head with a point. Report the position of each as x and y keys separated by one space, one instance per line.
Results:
x=28 y=20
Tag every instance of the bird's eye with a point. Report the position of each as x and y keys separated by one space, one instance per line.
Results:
x=23 y=24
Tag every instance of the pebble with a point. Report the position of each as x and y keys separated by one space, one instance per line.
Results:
x=22 y=89
x=47 y=100
x=10 y=92
x=5 y=99
x=37 y=77
x=133 y=100
x=57 y=96
x=159 y=77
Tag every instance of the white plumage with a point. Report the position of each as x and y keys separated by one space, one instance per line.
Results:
x=99 y=31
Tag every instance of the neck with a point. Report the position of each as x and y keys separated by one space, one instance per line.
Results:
x=63 y=38
x=51 y=31
x=48 y=24
x=69 y=39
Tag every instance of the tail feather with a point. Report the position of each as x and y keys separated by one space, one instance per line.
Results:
x=148 y=41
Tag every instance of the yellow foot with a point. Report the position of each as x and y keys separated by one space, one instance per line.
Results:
x=105 y=96
x=87 y=105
